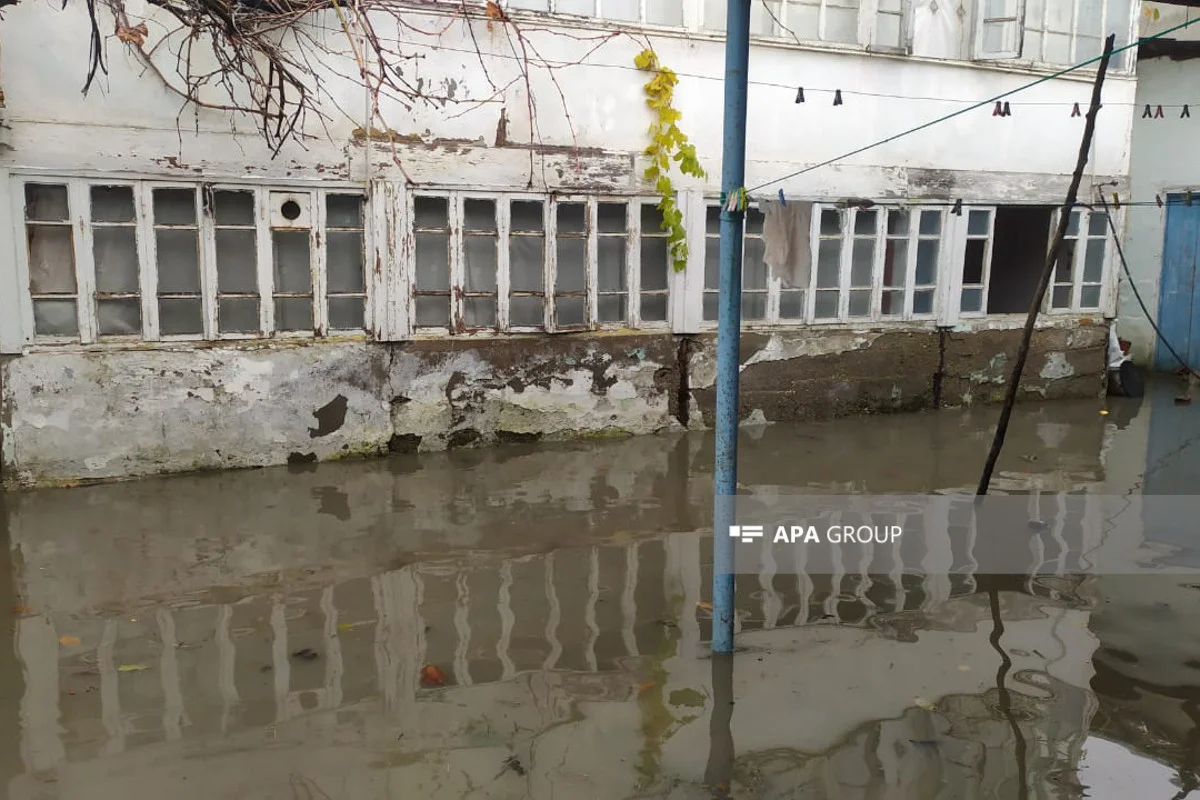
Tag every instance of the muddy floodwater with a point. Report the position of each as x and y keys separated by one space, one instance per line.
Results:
x=532 y=622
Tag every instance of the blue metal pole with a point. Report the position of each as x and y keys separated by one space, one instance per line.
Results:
x=729 y=320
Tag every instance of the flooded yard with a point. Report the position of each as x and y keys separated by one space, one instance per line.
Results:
x=531 y=622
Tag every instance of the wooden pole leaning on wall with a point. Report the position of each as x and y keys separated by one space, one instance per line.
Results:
x=1052 y=257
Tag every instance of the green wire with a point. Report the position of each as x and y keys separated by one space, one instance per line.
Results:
x=980 y=104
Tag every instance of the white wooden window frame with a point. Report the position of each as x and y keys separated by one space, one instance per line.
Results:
x=549 y=294
x=776 y=21
x=79 y=200
x=1082 y=238
x=988 y=237
x=880 y=237
x=1015 y=19
x=571 y=8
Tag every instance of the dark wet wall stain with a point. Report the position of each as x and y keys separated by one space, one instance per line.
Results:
x=334 y=502
x=330 y=417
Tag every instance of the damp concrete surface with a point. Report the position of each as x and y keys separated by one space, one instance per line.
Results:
x=531 y=621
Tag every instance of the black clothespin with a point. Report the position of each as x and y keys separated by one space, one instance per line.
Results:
x=837 y=97
x=1116 y=202
x=1187 y=112
x=1158 y=114
x=782 y=199
x=957 y=208
x=1147 y=114
x=998 y=111
x=800 y=95
x=1158 y=199
x=1075 y=112
x=1007 y=110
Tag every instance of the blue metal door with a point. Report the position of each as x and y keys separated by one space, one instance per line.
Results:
x=1179 y=290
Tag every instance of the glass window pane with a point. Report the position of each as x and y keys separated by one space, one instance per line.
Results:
x=663 y=12
x=431 y=212
x=527 y=215
x=55 y=318
x=346 y=313
x=571 y=271
x=174 y=207
x=479 y=215
x=791 y=305
x=479 y=263
x=826 y=305
x=898 y=222
x=862 y=262
x=895 y=263
x=1065 y=269
x=233 y=208
x=115 y=251
x=344 y=261
x=755 y=271
x=610 y=217
x=979 y=223
x=237 y=262
x=1090 y=297
x=927 y=262
x=754 y=306
x=572 y=218
x=178 y=256
x=1061 y=297
x=46 y=203
x=972 y=301
x=711 y=306
x=237 y=315
x=1098 y=224
x=180 y=316
x=923 y=301
x=1093 y=261
x=433 y=262
x=654 y=308
x=654 y=264
x=479 y=312
x=51 y=260
x=1073 y=224
x=755 y=220
x=866 y=222
x=611 y=265
x=570 y=311
x=829 y=263
x=611 y=308
x=860 y=303
x=712 y=221
x=652 y=219
x=112 y=204
x=931 y=223
x=293 y=314
x=526 y=268
x=831 y=222
x=344 y=211
x=712 y=264
x=293 y=268
x=891 y=304
x=526 y=312
x=433 y=312
x=119 y=317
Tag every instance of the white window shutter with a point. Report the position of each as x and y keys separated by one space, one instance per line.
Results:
x=999 y=29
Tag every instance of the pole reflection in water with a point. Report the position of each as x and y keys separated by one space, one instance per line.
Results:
x=718 y=775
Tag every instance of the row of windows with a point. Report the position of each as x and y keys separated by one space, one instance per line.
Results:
x=1054 y=32
x=167 y=262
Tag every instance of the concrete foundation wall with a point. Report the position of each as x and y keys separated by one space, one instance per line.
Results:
x=83 y=415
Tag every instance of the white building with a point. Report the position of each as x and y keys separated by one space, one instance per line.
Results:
x=1164 y=225
x=177 y=298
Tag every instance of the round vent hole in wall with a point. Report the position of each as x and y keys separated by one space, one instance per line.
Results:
x=290 y=210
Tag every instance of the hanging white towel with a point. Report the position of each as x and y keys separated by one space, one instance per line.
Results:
x=786 y=240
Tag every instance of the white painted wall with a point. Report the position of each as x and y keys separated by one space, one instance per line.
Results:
x=130 y=123
x=1156 y=168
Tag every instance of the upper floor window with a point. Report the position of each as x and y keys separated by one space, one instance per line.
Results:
x=879 y=24
x=1054 y=32
x=653 y=12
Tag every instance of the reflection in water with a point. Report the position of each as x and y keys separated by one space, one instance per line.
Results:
x=264 y=634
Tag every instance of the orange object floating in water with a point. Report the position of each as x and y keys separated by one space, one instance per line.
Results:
x=431 y=675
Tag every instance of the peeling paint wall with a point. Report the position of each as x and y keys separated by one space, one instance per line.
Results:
x=90 y=415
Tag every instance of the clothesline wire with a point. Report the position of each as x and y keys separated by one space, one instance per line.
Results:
x=900 y=204
x=766 y=84
x=962 y=111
